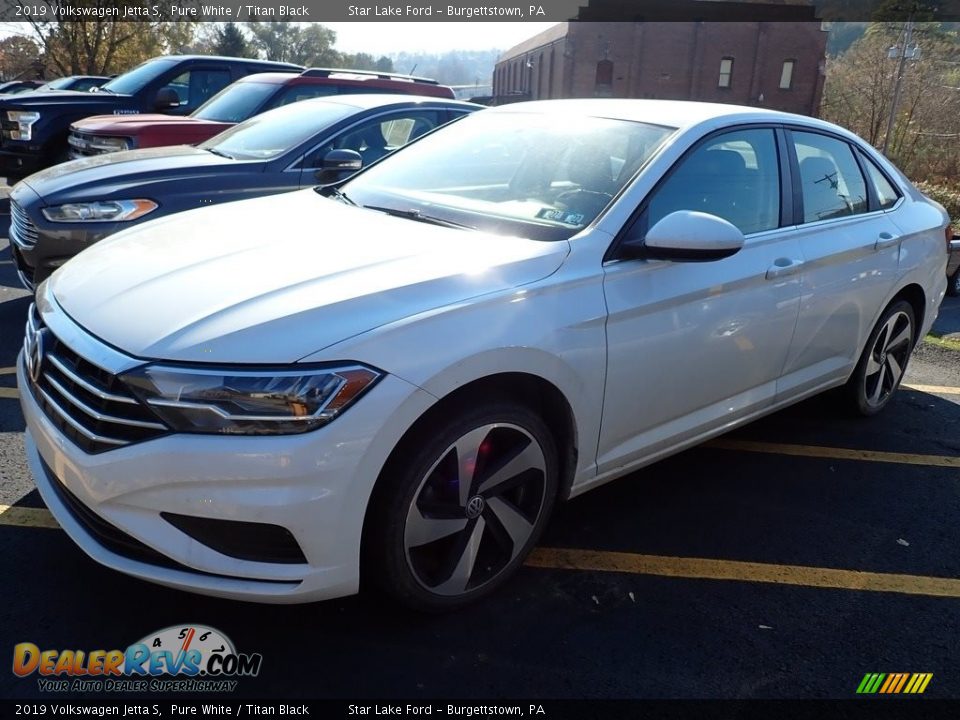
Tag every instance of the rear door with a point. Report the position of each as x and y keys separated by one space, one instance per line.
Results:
x=851 y=251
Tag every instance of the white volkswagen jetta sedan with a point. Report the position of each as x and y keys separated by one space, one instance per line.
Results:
x=395 y=378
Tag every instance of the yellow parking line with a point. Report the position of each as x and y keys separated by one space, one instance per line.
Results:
x=8 y=371
x=663 y=565
x=934 y=389
x=705 y=569
x=835 y=453
x=27 y=517
x=6 y=392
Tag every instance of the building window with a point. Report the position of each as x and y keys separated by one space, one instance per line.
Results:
x=786 y=75
x=726 y=72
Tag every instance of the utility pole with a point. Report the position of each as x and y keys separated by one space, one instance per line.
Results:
x=902 y=52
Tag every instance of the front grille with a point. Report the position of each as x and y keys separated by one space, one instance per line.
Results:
x=81 y=145
x=23 y=232
x=86 y=403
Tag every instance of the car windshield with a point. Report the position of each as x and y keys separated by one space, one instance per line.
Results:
x=56 y=84
x=275 y=132
x=133 y=81
x=235 y=103
x=542 y=176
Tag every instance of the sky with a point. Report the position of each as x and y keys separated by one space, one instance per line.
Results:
x=380 y=38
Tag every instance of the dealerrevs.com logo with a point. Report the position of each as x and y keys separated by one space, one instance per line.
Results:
x=184 y=658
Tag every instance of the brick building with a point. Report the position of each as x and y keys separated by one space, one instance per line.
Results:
x=776 y=65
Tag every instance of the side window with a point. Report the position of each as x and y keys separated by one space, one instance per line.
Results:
x=830 y=180
x=735 y=176
x=886 y=193
x=195 y=87
x=377 y=137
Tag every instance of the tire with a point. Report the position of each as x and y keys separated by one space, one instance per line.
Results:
x=436 y=543
x=884 y=360
x=953 y=284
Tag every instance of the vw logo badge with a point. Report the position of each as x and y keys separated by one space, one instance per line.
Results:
x=34 y=357
x=475 y=506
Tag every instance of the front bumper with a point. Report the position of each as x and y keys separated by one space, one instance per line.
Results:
x=953 y=260
x=52 y=244
x=314 y=485
x=17 y=163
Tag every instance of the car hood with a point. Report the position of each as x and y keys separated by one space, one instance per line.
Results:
x=73 y=98
x=272 y=280
x=132 y=124
x=100 y=176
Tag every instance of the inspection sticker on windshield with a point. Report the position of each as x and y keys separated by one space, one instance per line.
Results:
x=562 y=216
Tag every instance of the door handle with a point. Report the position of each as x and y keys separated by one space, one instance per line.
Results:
x=885 y=240
x=782 y=267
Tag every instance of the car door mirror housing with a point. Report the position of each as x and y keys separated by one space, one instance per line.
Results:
x=337 y=165
x=687 y=236
x=167 y=98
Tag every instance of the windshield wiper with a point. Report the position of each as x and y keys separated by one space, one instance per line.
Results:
x=220 y=153
x=420 y=217
x=339 y=195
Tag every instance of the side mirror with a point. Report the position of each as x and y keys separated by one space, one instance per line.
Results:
x=337 y=165
x=688 y=236
x=167 y=98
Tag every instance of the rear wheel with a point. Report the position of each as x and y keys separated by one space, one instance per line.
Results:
x=884 y=360
x=953 y=283
x=459 y=514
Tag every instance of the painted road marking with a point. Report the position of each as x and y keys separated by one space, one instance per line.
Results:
x=835 y=453
x=663 y=565
x=706 y=569
x=8 y=371
x=27 y=517
x=10 y=393
x=933 y=389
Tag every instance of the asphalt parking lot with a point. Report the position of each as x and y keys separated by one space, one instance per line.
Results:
x=787 y=559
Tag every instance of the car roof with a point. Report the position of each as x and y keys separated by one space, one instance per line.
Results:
x=339 y=76
x=367 y=101
x=224 y=58
x=680 y=114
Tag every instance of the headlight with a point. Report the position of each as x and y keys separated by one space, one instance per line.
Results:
x=241 y=402
x=103 y=211
x=108 y=144
x=25 y=120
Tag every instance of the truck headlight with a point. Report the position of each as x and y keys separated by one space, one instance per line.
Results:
x=108 y=144
x=249 y=402
x=102 y=211
x=25 y=120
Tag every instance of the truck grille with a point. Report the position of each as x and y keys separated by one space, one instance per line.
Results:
x=81 y=145
x=86 y=403
x=23 y=232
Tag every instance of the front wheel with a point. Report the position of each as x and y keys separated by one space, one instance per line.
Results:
x=461 y=512
x=884 y=360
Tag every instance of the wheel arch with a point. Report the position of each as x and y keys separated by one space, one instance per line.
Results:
x=534 y=391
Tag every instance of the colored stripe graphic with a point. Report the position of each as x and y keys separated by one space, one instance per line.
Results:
x=894 y=683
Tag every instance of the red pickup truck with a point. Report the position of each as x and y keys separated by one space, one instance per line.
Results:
x=243 y=99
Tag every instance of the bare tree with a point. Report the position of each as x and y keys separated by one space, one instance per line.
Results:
x=858 y=94
x=97 y=44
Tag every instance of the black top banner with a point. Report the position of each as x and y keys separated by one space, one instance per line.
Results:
x=476 y=10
